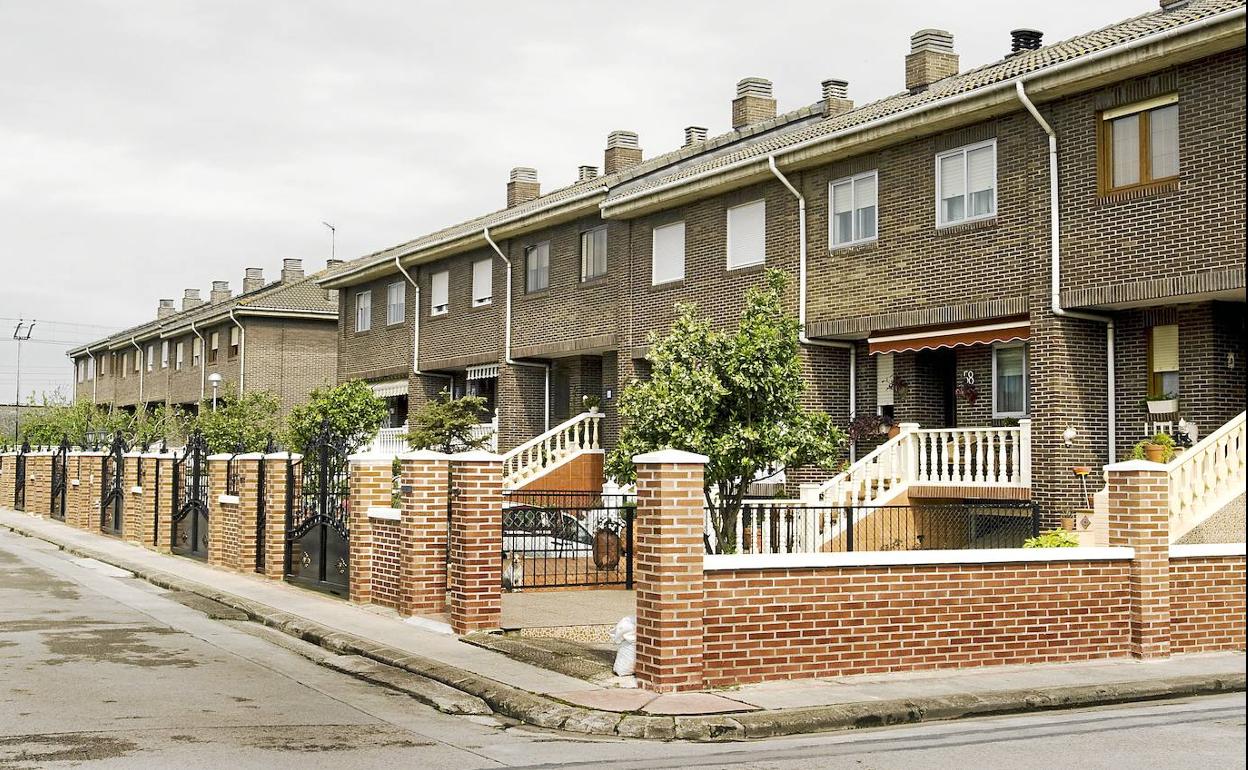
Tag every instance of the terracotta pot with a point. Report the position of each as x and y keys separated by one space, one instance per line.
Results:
x=1068 y=523
x=1154 y=453
x=894 y=431
x=606 y=549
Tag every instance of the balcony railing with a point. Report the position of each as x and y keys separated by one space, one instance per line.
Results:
x=392 y=441
x=1206 y=477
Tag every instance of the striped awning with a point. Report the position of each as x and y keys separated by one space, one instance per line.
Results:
x=389 y=389
x=485 y=372
x=951 y=337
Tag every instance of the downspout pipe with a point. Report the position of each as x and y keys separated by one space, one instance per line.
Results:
x=507 y=327
x=416 y=329
x=801 y=299
x=1055 y=268
x=142 y=370
x=203 y=362
x=242 y=352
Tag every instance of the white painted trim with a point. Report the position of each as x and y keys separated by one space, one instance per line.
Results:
x=897 y=558
x=136 y=490
x=227 y=499
x=75 y=482
x=1206 y=549
x=853 y=210
x=670 y=457
x=388 y=514
x=996 y=413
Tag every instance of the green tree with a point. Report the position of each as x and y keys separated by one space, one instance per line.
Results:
x=734 y=396
x=53 y=421
x=351 y=409
x=248 y=422
x=446 y=424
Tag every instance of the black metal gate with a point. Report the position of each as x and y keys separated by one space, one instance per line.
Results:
x=60 y=480
x=19 y=478
x=317 y=491
x=567 y=539
x=112 y=487
x=189 y=532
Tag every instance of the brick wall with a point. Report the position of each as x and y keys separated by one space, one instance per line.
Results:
x=1206 y=603
x=290 y=357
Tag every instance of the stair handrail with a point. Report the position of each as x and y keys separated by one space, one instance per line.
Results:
x=868 y=460
x=582 y=440
x=1188 y=474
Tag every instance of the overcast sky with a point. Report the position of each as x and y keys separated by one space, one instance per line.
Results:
x=146 y=147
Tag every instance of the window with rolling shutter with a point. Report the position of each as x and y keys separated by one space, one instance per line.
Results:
x=853 y=218
x=667 y=260
x=1164 y=357
x=747 y=234
x=966 y=183
x=884 y=379
x=482 y=282
x=439 y=293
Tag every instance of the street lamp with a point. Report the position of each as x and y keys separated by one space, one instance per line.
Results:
x=214 y=380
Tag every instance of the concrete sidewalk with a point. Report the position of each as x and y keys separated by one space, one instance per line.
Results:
x=546 y=698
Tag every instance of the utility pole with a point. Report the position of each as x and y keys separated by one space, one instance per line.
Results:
x=333 y=240
x=17 y=403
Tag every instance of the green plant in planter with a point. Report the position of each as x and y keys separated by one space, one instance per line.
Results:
x=591 y=402
x=1057 y=538
x=1164 y=440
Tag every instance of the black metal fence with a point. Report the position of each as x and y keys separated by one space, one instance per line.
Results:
x=793 y=528
x=567 y=539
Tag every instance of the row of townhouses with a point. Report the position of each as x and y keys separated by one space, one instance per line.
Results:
x=1046 y=249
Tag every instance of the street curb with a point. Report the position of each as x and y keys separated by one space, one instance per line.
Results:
x=550 y=713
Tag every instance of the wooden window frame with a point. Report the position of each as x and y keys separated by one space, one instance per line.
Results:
x=1105 y=150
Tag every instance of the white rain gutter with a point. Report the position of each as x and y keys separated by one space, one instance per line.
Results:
x=974 y=93
x=142 y=368
x=242 y=352
x=507 y=327
x=801 y=300
x=416 y=330
x=203 y=362
x=1055 y=268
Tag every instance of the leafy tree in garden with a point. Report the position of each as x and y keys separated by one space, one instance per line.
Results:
x=54 y=421
x=248 y=422
x=164 y=424
x=734 y=396
x=446 y=424
x=351 y=408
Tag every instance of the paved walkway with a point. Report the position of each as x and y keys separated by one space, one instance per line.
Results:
x=431 y=640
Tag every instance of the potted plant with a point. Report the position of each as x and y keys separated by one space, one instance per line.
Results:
x=591 y=402
x=1158 y=449
x=967 y=391
x=1166 y=403
x=899 y=386
x=866 y=426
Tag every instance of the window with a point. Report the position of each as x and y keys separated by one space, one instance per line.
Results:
x=235 y=336
x=1139 y=145
x=1163 y=353
x=197 y=345
x=482 y=282
x=164 y=354
x=363 y=311
x=179 y=356
x=396 y=303
x=1009 y=381
x=747 y=234
x=439 y=293
x=91 y=368
x=125 y=364
x=667 y=262
x=966 y=183
x=138 y=362
x=537 y=267
x=151 y=357
x=593 y=253
x=854 y=217
x=82 y=371
x=214 y=346
x=884 y=380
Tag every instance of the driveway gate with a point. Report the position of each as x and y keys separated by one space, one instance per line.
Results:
x=19 y=478
x=112 y=487
x=60 y=479
x=567 y=539
x=189 y=535
x=317 y=491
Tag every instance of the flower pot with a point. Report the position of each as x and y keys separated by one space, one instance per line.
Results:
x=894 y=431
x=1163 y=406
x=1154 y=453
x=1068 y=523
x=606 y=549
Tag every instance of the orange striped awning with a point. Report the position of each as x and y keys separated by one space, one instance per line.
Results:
x=951 y=337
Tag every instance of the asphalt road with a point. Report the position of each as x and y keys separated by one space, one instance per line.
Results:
x=100 y=669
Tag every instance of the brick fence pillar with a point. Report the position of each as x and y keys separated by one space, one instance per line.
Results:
x=222 y=514
x=425 y=486
x=1139 y=517
x=160 y=479
x=474 y=581
x=276 y=471
x=8 y=461
x=134 y=493
x=371 y=486
x=90 y=481
x=247 y=470
x=667 y=569
x=39 y=483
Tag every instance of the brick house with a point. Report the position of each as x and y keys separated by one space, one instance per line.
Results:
x=930 y=284
x=276 y=336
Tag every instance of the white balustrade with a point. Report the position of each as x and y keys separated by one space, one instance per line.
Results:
x=579 y=434
x=1206 y=477
x=393 y=441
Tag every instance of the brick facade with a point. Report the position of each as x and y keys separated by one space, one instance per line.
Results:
x=1206 y=603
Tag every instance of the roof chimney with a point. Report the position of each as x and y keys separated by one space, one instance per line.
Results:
x=329 y=263
x=931 y=58
x=836 y=97
x=523 y=186
x=1024 y=40
x=1170 y=5
x=220 y=292
x=253 y=279
x=190 y=299
x=694 y=134
x=586 y=173
x=754 y=102
x=292 y=269
x=165 y=309
x=623 y=151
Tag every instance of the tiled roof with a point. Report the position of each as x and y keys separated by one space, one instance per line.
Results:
x=988 y=75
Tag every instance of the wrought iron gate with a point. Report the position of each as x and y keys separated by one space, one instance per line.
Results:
x=189 y=531
x=112 y=487
x=19 y=477
x=60 y=480
x=317 y=502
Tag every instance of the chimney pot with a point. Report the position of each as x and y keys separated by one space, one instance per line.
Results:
x=190 y=299
x=165 y=309
x=586 y=173
x=1025 y=40
x=694 y=134
x=623 y=151
x=253 y=278
x=836 y=97
x=931 y=58
x=522 y=186
x=754 y=103
x=292 y=269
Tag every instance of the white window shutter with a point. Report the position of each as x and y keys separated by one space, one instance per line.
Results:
x=843 y=198
x=747 y=233
x=980 y=165
x=1166 y=348
x=482 y=281
x=883 y=378
x=440 y=291
x=668 y=258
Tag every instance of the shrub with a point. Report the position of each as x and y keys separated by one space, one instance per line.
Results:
x=1161 y=439
x=1057 y=538
x=350 y=408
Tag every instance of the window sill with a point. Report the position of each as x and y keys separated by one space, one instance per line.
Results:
x=1135 y=193
x=966 y=226
x=753 y=267
x=855 y=248
x=391 y=325
x=666 y=285
x=593 y=283
x=540 y=293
